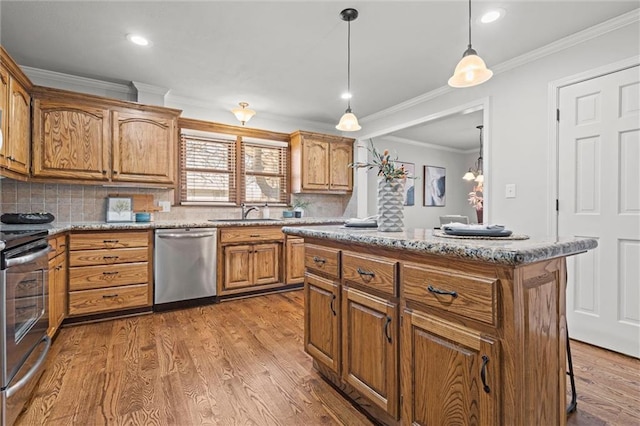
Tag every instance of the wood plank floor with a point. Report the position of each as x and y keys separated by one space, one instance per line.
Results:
x=241 y=362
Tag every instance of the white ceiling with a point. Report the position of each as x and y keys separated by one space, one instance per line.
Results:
x=285 y=58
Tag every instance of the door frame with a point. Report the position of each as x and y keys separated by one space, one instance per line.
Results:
x=554 y=126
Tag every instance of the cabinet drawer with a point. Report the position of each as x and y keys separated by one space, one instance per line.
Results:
x=108 y=240
x=250 y=234
x=108 y=257
x=111 y=299
x=466 y=295
x=90 y=277
x=58 y=245
x=372 y=272
x=322 y=259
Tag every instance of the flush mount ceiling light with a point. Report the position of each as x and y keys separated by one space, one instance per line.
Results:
x=492 y=16
x=138 y=39
x=475 y=173
x=348 y=122
x=471 y=70
x=243 y=114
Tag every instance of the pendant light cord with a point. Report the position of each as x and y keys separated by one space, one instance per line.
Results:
x=349 y=65
x=469 y=24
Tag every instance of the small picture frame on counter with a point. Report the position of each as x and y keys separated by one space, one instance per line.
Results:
x=120 y=209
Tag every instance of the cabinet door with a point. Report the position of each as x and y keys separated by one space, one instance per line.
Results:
x=450 y=374
x=341 y=175
x=370 y=348
x=57 y=292
x=144 y=148
x=19 y=127
x=71 y=140
x=238 y=266
x=4 y=102
x=295 y=260
x=321 y=321
x=266 y=263
x=315 y=164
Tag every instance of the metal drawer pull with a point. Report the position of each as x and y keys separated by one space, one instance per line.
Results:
x=366 y=273
x=255 y=235
x=111 y=241
x=111 y=273
x=483 y=374
x=386 y=329
x=432 y=289
x=332 y=305
x=109 y=296
x=317 y=259
x=110 y=257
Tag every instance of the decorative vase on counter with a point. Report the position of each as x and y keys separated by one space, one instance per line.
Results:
x=390 y=205
x=479 y=215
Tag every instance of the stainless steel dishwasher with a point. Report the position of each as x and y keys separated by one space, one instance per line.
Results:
x=185 y=266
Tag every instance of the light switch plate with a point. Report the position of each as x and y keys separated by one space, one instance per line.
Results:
x=510 y=190
x=165 y=205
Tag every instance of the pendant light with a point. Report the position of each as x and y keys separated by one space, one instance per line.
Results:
x=348 y=122
x=471 y=70
x=475 y=173
x=243 y=114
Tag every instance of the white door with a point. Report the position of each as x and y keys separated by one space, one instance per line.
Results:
x=599 y=197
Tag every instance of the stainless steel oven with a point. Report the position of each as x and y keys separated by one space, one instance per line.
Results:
x=24 y=318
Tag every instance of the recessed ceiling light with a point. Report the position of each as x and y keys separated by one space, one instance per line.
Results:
x=137 y=39
x=346 y=95
x=492 y=15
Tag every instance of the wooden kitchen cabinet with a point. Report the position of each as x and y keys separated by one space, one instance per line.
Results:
x=86 y=138
x=294 y=249
x=57 y=283
x=251 y=259
x=15 y=103
x=320 y=163
x=322 y=321
x=110 y=272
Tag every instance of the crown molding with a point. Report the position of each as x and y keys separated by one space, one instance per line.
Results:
x=549 y=49
x=406 y=141
x=37 y=73
x=150 y=88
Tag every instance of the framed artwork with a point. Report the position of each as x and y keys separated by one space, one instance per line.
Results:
x=434 y=186
x=410 y=183
x=120 y=209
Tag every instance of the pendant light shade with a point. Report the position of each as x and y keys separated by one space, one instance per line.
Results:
x=475 y=173
x=348 y=122
x=243 y=114
x=471 y=70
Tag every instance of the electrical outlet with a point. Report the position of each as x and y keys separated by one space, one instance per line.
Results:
x=165 y=205
x=510 y=190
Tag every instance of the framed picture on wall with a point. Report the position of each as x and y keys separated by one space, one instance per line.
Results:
x=434 y=189
x=410 y=183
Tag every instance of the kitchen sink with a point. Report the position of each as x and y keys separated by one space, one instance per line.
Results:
x=243 y=220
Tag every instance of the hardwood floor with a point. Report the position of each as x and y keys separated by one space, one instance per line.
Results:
x=241 y=362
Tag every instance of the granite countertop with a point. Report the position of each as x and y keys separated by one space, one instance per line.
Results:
x=508 y=252
x=57 y=227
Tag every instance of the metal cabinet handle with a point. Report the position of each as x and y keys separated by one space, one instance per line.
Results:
x=111 y=273
x=111 y=241
x=332 y=305
x=110 y=257
x=483 y=374
x=432 y=289
x=365 y=273
x=109 y=296
x=386 y=329
x=319 y=260
x=255 y=235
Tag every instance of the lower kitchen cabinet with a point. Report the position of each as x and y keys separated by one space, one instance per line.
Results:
x=251 y=265
x=322 y=321
x=294 y=248
x=57 y=283
x=370 y=348
x=450 y=373
x=110 y=271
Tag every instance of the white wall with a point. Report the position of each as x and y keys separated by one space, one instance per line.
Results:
x=418 y=215
x=519 y=121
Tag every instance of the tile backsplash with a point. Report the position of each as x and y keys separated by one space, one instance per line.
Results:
x=88 y=203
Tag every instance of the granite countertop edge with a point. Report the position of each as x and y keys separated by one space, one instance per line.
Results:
x=506 y=252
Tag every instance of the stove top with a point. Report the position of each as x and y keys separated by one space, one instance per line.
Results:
x=14 y=237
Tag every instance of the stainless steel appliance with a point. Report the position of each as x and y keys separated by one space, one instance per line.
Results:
x=185 y=266
x=24 y=318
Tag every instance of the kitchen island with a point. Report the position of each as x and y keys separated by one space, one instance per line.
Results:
x=419 y=328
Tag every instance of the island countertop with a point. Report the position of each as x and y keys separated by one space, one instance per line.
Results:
x=500 y=251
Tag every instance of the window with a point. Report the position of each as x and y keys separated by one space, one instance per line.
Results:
x=209 y=170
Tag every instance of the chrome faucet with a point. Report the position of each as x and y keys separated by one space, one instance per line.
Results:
x=246 y=211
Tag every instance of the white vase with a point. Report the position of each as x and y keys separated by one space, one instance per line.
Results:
x=390 y=205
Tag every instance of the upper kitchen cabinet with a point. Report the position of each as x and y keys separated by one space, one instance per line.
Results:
x=88 y=138
x=15 y=103
x=320 y=163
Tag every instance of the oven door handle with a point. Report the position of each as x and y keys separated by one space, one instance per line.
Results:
x=34 y=369
x=21 y=260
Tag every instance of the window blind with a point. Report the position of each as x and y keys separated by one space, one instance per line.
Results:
x=264 y=168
